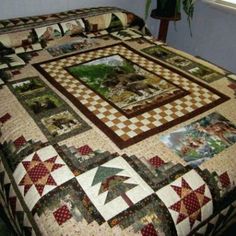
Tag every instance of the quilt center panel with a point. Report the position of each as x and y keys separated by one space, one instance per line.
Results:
x=127 y=95
x=125 y=85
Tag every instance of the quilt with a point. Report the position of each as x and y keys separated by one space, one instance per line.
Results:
x=106 y=131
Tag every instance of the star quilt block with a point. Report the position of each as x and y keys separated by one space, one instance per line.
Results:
x=188 y=200
x=39 y=173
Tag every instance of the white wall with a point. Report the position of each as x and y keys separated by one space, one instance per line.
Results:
x=214 y=31
x=214 y=35
x=17 y=8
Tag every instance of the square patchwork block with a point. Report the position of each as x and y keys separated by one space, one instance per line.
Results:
x=40 y=173
x=188 y=200
x=202 y=139
x=113 y=187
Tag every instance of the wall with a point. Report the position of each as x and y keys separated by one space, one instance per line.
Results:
x=17 y=8
x=214 y=35
x=214 y=31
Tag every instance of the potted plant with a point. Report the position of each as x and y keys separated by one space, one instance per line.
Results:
x=171 y=8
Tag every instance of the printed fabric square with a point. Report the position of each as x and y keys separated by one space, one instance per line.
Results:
x=11 y=61
x=72 y=27
x=48 y=32
x=188 y=200
x=202 y=139
x=113 y=187
x=225 y=180
x=111 y=21
x=100 y=22
x=85 y=150
x=39 y=173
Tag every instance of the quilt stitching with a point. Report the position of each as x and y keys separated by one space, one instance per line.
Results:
x=183 y=63
x=39 y=173
x=190 y=202
x=68 y=187
x=126 y=131
x=53 y=116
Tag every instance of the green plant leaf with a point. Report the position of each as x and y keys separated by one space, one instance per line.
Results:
x=147 y=7
x=188 y=6
x=178 y=7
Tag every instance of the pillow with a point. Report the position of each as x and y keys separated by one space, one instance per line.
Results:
x=72 y=27
x=48 y=32
x=18 y=39
x=112 y=21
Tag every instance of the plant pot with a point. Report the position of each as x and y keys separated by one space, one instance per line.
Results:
x=167 y=10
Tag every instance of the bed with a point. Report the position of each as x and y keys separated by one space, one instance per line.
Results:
x=106 y=131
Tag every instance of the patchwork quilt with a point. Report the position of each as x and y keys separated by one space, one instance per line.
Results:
x=106 y=131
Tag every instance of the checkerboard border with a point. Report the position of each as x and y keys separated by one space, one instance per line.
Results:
x=181 y=93
x=121 y=143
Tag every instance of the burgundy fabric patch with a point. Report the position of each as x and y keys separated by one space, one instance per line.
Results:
x=156 y=161
x=5 y=118
x=19 y=142
x=34 y=54
x=149 y=230
x=85 y=150
x=224 y=179
x=62 y=214
x=16 y=72
x=232 y=86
